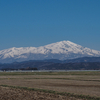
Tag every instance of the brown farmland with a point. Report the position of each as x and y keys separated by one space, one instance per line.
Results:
x=79 y=83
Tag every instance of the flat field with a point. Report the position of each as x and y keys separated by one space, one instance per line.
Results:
x=78 y=85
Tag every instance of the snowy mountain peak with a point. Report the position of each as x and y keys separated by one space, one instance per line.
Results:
x=61 y=44
x=60 y=50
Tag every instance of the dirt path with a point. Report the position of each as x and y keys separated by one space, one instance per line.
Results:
x=7 y=93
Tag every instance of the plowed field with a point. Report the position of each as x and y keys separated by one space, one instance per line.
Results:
x=78 y=83
x=7 y=93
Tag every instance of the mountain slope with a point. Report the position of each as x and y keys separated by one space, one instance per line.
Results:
x=82 y=59
x=32 y=65
x=60 y=50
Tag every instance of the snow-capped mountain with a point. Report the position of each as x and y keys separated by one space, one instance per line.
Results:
x=60 y=50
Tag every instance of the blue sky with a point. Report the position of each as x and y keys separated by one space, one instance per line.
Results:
x=25 y=23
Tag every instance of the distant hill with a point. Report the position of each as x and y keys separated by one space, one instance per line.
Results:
x=86 y=63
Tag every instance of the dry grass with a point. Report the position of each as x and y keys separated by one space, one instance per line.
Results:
x=77 y=83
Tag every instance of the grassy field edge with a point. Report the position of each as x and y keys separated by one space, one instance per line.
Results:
x=53 y=73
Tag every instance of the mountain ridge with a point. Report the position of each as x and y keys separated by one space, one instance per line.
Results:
x=60 y=50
